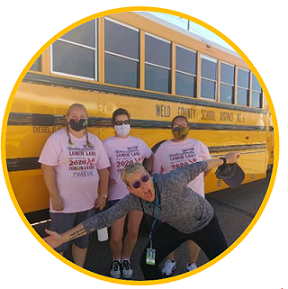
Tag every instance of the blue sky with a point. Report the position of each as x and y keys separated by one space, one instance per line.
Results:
x=194 y=28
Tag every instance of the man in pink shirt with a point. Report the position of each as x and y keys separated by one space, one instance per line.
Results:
x=74 y=162
x=172 y=154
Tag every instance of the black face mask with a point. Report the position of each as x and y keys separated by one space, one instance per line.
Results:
x=78 y=125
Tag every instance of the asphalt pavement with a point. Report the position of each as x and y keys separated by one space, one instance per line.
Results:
x=235 y=209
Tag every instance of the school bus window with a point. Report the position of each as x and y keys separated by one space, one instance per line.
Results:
x=255 y=84
x=256 y=93
x=208 y=77
x=227 y=83
x=243 y=87
x=186 y=69
x=157 y=64
x=121 y=54
x=74 y=54
x=36 y=66
x=256 y=99
x=83 y=34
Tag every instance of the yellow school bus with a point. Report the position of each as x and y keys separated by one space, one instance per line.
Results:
x=156 y=71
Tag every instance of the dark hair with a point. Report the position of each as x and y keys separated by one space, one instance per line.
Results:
x=179 y=116
x=120 y=111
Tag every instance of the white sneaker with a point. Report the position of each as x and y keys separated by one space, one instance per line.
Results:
x=127 y=271
x=115 y=270
x=191 y=267
x=169 y=267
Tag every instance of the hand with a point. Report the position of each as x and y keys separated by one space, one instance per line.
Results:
x=54 y=239
x=112 y=182
x=232 y=158
x=57 y=203
x=100 y=203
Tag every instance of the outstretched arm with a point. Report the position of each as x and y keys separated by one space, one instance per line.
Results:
x=183 y=176
x=98 y=221
x=231 y=158
x=55 y=240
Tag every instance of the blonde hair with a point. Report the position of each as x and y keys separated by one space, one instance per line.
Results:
x=70 y=109
x=130 y=170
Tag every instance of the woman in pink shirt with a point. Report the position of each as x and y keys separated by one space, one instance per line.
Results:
x=74 y=162
x=175 y=153
x=123 y=149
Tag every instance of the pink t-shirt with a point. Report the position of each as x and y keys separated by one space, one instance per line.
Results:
x=76 y=169
x=121 y=152
x=172 y=155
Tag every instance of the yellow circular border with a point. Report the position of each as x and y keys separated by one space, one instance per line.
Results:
x=149 y=9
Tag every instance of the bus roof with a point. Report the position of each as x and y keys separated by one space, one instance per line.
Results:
x=186 y=32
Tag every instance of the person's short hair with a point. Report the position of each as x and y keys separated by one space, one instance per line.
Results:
x=120 y=111
x=179 y=116
x=130 y=170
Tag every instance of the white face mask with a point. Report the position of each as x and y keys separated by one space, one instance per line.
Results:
x=122 y=130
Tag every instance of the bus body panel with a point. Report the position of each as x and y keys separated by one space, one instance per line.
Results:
x=25 y=141
x=42 y=99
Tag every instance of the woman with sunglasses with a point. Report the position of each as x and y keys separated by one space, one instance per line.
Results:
x=177 y=152
x=123 y=149
x=185 y=215
x=74 y=162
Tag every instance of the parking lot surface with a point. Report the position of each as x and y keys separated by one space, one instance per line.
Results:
x=235 y=209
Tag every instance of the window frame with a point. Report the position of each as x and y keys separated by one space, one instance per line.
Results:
x=215 y=60
x=169 y=69
x=225 y=83
x=244 y=88
x=123 y=56
x=190 y=50
x=183 y=72
x=256 y=91
x=129 y=27
x=95 y=49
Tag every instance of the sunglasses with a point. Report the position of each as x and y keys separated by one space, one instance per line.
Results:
x=144 y=179
x=175 y=128
x=121 y=122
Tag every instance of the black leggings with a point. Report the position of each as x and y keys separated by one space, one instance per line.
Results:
x=166 y=239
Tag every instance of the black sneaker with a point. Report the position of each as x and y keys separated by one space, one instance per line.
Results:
x=115 y=271
x=127 y=269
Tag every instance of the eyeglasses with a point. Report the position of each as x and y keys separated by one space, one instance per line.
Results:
x=144 y=179
x=121 y=122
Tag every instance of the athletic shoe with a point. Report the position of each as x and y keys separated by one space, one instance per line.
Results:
x=115 y=271
x=191 y=267
x=127 y=269
x=169 y=267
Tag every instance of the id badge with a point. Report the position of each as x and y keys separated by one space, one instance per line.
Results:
x=150 y=256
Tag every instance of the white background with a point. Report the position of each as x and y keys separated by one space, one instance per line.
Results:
x=259 y=28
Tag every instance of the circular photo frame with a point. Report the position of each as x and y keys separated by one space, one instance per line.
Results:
x=146 y=63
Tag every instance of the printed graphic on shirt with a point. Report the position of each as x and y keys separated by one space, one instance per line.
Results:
x=183 y=158
x=82 y=161
x=127 y=156
x=172 y=155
